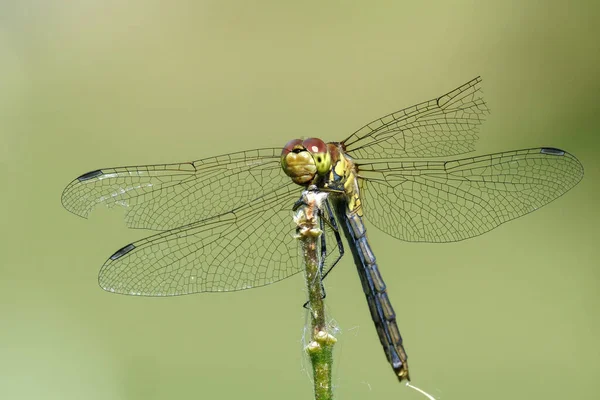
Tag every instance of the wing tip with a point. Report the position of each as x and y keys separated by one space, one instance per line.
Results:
x=556 y=152
x=69 y=206
x=65 y=198
x=106 y=284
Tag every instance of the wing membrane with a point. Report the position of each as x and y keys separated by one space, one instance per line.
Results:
x=247 y=247
x=444 y=126
x=167 y=196
x=446 y=201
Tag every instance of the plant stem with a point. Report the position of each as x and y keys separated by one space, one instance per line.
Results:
x=320 y=347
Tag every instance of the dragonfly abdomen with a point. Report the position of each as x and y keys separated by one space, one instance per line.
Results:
x=381 y=309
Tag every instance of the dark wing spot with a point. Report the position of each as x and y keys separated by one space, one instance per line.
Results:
x=552 y=151
x=89 y=175
x=121 y=252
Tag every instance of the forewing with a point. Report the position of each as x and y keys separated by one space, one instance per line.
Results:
x=446 y=201
x=444 y=126
x=167 y=196
x=247 y=247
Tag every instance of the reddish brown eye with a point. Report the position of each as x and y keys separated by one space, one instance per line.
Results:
x=315 y=145
x=289 y=146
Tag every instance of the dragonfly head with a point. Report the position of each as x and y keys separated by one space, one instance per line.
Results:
x=302 y=160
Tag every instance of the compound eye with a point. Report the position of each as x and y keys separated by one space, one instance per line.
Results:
x=294 y=144
x=315 y=145
x=320 y=154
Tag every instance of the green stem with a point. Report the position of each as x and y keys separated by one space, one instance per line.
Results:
x=320 y=347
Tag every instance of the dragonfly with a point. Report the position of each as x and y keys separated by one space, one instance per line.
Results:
x=224 y=223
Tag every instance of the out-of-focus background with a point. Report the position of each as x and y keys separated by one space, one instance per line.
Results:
x=90 y=84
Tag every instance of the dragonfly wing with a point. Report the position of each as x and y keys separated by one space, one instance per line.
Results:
x=246 y=247
x=446 y=201
x=166 y=196
x=444 y=126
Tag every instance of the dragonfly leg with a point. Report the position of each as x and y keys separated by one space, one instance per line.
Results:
x=299 y=203
x=333 y=224
x=323 y=252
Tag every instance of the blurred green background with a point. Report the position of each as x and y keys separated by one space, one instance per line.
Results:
x=90 y=84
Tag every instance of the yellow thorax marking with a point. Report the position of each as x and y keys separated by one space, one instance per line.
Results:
x=344 y=168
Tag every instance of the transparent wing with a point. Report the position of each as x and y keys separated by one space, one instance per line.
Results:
x=444 y=126
x=446 y=201
x=167 y=196
x=247 y=247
